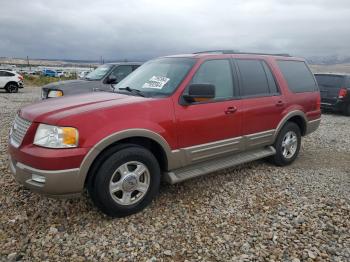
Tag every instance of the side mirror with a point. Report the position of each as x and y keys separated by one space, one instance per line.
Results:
x=111 y=79
x=199 y=93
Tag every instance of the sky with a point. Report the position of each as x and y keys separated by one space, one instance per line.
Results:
x=143 y=29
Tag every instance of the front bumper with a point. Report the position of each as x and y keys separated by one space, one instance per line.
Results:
x=55 y=183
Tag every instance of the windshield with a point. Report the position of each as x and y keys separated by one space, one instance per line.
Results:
x=99 y=72
x=158 y=77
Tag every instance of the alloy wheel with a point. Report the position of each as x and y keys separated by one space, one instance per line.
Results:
x=129 y=183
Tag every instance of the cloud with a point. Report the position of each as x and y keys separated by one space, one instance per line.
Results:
x=144 y=29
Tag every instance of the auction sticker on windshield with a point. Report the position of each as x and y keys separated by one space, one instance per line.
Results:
x=157 y=82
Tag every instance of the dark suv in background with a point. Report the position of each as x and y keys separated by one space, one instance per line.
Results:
x=335 y=92
x=100 y=79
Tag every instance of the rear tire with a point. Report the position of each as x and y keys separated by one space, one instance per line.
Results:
x=126 y=182
x=287 y=144
x=11 y=88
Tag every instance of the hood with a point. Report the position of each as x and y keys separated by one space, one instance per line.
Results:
x=72 y=84
x=52 y=110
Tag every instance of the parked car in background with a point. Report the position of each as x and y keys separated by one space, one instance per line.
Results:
x=335 y=92
x=49 y=72
x=68 y=74
x=60 y=73
x=83 y=74
x=102 y=78
x=10 y=81
x=173 y=119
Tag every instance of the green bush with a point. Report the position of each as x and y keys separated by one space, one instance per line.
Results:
x=37 y=80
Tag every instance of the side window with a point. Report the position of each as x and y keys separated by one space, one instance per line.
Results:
x=2 y=73
x=254 y=78
x=298 y=76
x=9 y=74
x=121 y=71
x=134 y=67
x=217 y=73
x=270 y=79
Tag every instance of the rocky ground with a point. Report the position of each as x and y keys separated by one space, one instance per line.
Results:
x=255 y=212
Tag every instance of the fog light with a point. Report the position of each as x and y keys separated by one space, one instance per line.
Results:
x=39 y=179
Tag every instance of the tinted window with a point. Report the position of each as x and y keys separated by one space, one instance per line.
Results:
x=270 y=79
x=348 y=82
x=217 y=73
x=253 y=78
x=329 y=81
x=121 y=71
x=298 y=76
x=4 y=73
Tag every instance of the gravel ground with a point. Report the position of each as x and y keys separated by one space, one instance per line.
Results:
x=255 y=212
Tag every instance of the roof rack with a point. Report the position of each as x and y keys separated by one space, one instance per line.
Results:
x=236 y=52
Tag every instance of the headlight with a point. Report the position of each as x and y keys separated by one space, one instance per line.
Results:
x=56 y=137
x=55 y=93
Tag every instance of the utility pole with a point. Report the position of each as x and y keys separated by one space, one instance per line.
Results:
x=30 y=69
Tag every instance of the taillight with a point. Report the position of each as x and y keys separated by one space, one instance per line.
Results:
x=20 y=77
x=342 y=93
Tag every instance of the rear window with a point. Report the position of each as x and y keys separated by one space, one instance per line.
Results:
x=330 y=81
x=298 y=76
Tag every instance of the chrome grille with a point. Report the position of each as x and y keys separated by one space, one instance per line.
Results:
x=18 y=131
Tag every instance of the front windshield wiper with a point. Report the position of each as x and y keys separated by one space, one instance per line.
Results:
x=132 y=90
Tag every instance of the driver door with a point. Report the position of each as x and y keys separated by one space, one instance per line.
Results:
x=211 y=128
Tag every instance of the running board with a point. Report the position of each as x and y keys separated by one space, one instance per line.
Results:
x=203 y=168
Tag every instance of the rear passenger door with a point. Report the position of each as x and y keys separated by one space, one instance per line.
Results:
x=262 y=105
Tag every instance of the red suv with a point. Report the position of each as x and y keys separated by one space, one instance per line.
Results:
x=172 y=119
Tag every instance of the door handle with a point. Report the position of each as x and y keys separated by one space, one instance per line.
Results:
x=280 y=103
x=230 y=110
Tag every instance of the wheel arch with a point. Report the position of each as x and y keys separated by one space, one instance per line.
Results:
x=11 y=82
x=142 y=137
x=297 y=117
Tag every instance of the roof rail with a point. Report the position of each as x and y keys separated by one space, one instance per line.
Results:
x=236 y=52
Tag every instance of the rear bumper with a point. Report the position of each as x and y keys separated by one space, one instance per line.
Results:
x=312 y=126
x=55 y=183
x=334 y=106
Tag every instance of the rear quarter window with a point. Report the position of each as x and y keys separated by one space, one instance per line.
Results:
x=298 y=76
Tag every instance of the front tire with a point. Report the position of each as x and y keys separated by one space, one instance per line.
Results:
x=126 y=182
x=287 y=144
